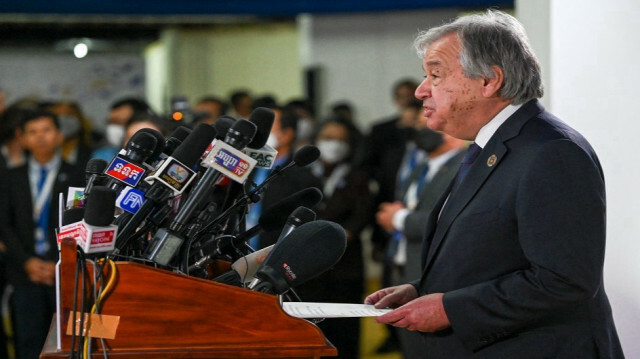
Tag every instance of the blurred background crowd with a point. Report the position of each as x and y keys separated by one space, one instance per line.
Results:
x=357 y=172
x=339 y=76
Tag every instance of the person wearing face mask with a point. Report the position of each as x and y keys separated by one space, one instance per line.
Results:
x=120 y=114
x=406 y=218
x=346 y=201
x=76 y=130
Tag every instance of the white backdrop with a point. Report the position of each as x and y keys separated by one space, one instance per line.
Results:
x=94 y=82
x=595 y=76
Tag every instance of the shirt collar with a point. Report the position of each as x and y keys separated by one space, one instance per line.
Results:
x=53 y=164
x=487 y=131
x=436 y=162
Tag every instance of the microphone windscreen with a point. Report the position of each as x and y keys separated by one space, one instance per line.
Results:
x=301 y=215
x=180 y=133
x=175 y=139
x=160 y=142
x=275 y=217
x=240 y=134
x=305 y=155
x=100 y=206
x=72 y=215
x=96 y=166
x=222 y=125
x=192 y=148
x=141 y=142
x=263 y=118
x=308 y=251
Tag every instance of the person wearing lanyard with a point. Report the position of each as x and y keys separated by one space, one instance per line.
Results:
x=28 y=215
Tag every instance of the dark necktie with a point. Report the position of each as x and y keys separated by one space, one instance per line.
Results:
x=42 y=222
x=472 y=153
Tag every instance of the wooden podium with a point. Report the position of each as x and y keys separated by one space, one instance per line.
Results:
x=167 y=315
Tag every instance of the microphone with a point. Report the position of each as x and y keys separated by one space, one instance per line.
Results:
x=175 y=139
x=300 y=216
x=160 y=145
x=306 y=155
x=72 y=215
x=94 y=233
x=271 y=219
x=238 y=136
x=263 y=118
x=277 y=215
x=308 y=251
x=246 y=267
x=222 y=125
x=94 y=174
x=127 y=169
x=173 y=177
x=258 y=149
x=165 y=243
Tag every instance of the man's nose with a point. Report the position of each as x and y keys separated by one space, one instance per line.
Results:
x=423 y=91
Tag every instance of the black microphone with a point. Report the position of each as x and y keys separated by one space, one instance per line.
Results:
x=140 y=147
x=222 y=125
x=238 y=136
x=263 y=118
x=298 y=217
x=72 y=215
x=94 y=174
x=160 y=145
x=306 y=155
x=304 y=254
x=165 y=243
x=175 y=139
x=128 y=169
x=271 y=219
x=173 y=176
x=243 y=269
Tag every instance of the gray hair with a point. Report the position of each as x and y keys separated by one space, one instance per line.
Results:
x=492 y=39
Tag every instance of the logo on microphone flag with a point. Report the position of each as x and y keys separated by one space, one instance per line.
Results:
x=125 y=171
x=231 y=162
x=265 y=156
x=130 y=199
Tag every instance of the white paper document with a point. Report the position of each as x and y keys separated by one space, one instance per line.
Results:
x=331 y=310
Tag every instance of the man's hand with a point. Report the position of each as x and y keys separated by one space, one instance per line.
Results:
x=425 y=314
x=392 y=297
x=385 y=214
x=40 y=271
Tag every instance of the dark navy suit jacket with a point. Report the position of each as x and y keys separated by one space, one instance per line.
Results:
x=518 y=249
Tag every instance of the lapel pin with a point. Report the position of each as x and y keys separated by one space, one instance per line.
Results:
x=492 y=160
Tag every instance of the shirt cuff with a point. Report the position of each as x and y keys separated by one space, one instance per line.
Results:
x=398 y=219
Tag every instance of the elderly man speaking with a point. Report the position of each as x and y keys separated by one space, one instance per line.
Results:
x=513 y=253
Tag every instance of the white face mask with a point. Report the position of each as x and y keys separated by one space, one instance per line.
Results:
x=272 y=141
x=305 y=129
x=114 y=134
x=332 y=151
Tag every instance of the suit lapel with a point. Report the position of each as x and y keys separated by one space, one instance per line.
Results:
x=488 y=160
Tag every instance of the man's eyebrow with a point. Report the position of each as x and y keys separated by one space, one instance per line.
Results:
x=434 y=63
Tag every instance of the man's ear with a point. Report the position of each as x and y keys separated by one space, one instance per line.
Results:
x=491 y=86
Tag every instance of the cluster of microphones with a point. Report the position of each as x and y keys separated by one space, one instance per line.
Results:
x=181 y=204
